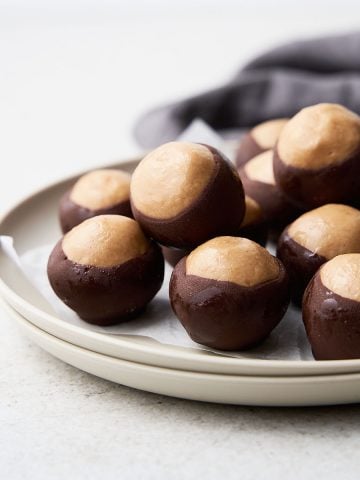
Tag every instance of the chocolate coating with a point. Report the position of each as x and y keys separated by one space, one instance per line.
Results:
x=248 y=148
x=315 y=237
x=72 y=214
x=106 y=295
x=332 y=322
x=277 y=210
x=300 y=263
x=307 y=189
x=218 y=210
x=225 y=315
x=317 y=156
x=257 y=232
x=174 y=255
x=259 y=139
x=253 y=225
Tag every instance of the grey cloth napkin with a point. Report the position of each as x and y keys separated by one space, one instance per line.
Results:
x=275 y=84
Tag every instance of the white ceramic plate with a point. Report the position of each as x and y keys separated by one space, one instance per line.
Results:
x=233 y=389
x=34 y=222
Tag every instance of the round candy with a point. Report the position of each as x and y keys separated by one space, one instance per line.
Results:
x=105 y=269
x=252 y=227
x=331 y=309
x=182 y=194
x=98 y=192
x=259 y=139
x=317 y=157
x=314 y=238
x=259 y=182
x=215 y=293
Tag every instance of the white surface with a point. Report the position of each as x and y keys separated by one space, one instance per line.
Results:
x=58 y=422
x=76 y=74
x=71 y=84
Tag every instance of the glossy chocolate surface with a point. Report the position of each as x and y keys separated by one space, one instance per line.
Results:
x=109 y=295
x=308 y=189
x=332 y=323
x=256 y=232
x=72 y=214
x=300 y=263
x=248 y=148
x=219 y=210
x=225 y=315
x=278 y=211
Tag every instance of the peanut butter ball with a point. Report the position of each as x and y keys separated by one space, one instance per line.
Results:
x=252 y=227
x=106 y=270
x=259 y=183
x=259 y=139
x=316 y=237
x=98 y=192
x=215 y=293
x=317 y=157
x=331 y=309
x=182 y=194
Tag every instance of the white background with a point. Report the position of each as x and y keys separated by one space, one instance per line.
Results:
x=74 y=76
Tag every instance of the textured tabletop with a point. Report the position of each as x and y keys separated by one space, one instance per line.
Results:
x=58 y=422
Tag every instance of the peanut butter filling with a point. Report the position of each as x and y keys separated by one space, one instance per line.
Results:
x=329 y=230
x=233 y=259
x=319 y=136
x=267 y=133
x=260 y=168
x=101 y=189
x=252 y=212
x=171 y=178
x=105 y=241
x=341 y=275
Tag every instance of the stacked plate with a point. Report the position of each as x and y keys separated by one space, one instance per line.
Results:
x=143 y=363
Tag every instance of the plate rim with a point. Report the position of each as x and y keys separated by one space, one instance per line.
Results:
x=263 y=378
x=232 y=389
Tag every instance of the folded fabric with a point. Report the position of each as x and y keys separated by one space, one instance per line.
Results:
x=275 y=84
